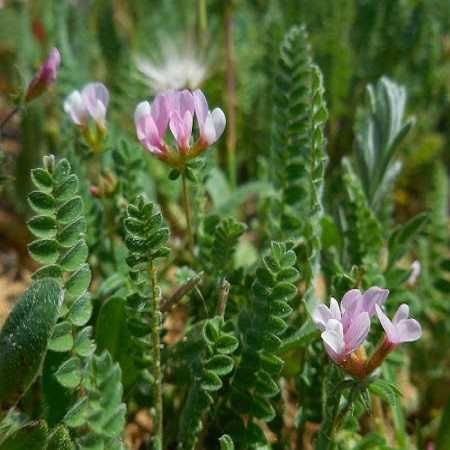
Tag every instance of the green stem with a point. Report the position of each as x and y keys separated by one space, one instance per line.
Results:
x=157 y=386
x=202 y=23
x=187 y=210
x=11 y=114
x=231 y=99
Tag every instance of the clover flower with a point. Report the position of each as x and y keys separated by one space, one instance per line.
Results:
x=345 y=327
x=92 y=101
x=176 y=110
x=89 y=103
x=45 y=76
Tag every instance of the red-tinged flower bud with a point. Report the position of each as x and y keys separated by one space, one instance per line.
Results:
x=45 y=76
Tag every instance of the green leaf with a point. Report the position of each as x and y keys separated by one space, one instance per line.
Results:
x=44 y=251
x=385 y=390
x=79 y=281
x=220 y=364
x=62 y=339
x=67 y=189
x=210 y=331
x=62 y=170
x=42 y=226
x=210 y=381
x=80 y=311
x=75 y=256
x=264 y=384
x=226 y=443
x=83 y=345
x=51 y=271
x=60 y=440
x=403 y=236
x=32 y=436
x=24 y=338
x=77 y=414
x=71 y=233
x=70 y=210
x=301 y=338
x=69 y=373
x=226 y=344
x=42 y=179
x=41 y=202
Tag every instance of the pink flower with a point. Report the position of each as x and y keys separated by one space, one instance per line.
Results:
x=92 y=102
x=176 y=110
x=45 y=76
x=401 y=328
x=345 y=327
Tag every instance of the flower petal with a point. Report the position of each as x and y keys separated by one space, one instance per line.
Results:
x=401 y=314
x=201 y=107
x=351 y=301
x=142 y=109
x=333 y=336
x=219 y=120
x=75 y=108
x=374 y=296
x=357 y=332
x=321 y=315
x=96 y=99
x=160 y=111
x=335 y=310
x=408 y=330
x=208 y=133
x=387 y=325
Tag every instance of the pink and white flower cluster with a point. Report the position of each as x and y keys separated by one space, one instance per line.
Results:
x=91 y=102
x=176 y=111
x=345 y=327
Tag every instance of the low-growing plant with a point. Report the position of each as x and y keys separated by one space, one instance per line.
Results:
x=255 y=316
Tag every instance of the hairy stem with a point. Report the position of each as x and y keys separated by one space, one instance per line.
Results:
x=157 y=386
x=187 y=210
x=223 y=297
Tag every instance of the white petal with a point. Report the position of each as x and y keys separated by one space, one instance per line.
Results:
x=333 y=336
x=219 y=120
x=335 y=310
x=208 y=133
x=409 y=330
x=75 y=108
x=321 y=315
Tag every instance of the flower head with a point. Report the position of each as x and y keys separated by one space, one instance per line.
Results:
x=343 y=331
x=89 y=103
x=401 y=328
x=45 y=76
x=92 y=101
x=176 y=110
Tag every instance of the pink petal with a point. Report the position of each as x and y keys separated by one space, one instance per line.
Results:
x=357 y=332
x=387 y=325
x=201 y=107
x=96 y=99
x=186 y=100
x=408 y=330
x=351 y=301
x=374 y=296
x=401 y=314
x=180 y=129
x=160 y=112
